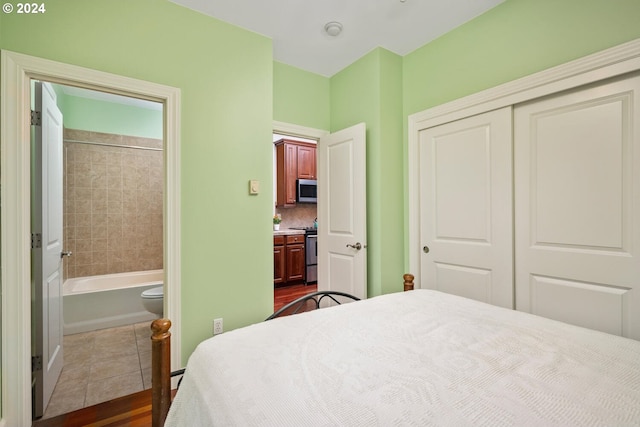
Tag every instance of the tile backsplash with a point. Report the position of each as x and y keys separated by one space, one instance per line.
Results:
x=302 y=215
x=112 y=203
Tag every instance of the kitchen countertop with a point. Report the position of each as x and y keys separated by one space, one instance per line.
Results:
x=287 y=232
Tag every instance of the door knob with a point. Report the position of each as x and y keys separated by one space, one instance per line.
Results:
x=425 y=249
x=64 y=254
x=357 y=246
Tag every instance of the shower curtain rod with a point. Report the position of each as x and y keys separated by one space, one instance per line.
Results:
x=106 y=144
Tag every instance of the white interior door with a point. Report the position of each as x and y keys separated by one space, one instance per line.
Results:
x=466 y=208
x=342 y=209
x=47 y=231
x=577 y=206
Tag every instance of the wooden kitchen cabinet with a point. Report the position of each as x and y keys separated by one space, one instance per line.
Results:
x=306 y=162
x=278 y=260
x=294 y=160
x=295 y=260
x=288 y=259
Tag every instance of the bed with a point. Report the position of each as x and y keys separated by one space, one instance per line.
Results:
x=408 y=358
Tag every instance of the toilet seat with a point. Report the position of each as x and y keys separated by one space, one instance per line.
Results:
x=153 y=293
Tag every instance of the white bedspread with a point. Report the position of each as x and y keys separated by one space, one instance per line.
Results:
x=417 y=358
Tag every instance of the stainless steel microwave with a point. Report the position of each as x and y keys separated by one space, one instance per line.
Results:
x=306 y=191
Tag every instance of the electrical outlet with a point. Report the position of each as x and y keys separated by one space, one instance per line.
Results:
x=217 y=326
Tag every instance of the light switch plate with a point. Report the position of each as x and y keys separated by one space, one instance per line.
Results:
x=254 y=186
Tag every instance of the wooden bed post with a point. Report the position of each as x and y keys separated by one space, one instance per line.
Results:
x=408 y=282
x=160 y=371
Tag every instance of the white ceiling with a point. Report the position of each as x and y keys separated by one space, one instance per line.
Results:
x=297 y=26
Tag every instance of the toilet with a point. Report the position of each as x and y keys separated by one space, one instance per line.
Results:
x=152 y=300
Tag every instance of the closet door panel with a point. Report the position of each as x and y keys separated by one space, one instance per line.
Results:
x=466 y=208
x=577 y=210
x=469 y=282
x=599 y=308
x=578 y=160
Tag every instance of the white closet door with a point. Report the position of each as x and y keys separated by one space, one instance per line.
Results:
x=577 y=207
x=467 y=207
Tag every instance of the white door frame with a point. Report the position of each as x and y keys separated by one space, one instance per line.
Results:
x=297 y=130
x=615 y=61
x=16 y=72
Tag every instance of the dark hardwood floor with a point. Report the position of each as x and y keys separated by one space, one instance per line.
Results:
x=284 y=295
x=135 y=410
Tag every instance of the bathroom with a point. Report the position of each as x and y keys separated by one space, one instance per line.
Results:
x=113 y=237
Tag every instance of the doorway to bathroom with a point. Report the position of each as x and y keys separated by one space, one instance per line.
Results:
x=18 y=70
x=102 y=185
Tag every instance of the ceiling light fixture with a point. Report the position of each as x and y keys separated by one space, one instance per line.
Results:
x=333 y=28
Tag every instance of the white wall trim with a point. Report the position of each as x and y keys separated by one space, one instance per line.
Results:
x=612 y=62
x=15 y=250
x=296 y=130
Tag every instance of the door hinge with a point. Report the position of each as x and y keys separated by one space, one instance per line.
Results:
x=36 y=118
x=36 y=363
x=36 y=240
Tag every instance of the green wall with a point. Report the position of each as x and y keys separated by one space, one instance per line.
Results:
x=109 y=117
x=512 y=40
x=300 y=97
x=225 y=75
x=369 y=91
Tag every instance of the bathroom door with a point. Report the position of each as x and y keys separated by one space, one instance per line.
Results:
x=47 y=240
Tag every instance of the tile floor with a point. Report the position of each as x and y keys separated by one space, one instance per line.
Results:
x=102 y=365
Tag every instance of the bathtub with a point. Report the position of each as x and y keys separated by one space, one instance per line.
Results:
x=107 y=301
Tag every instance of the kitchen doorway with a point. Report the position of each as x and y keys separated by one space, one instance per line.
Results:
x=295 y=242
